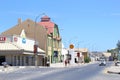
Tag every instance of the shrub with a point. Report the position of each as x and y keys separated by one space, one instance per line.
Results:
x=87 y=60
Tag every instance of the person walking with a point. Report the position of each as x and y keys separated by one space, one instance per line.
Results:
x=65 y=63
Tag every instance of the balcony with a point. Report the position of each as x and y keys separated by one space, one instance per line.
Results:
x=58 y=38
x=54 y=37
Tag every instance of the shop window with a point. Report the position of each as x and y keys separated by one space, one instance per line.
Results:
x=27 y=60
x=19 y=60
x=15 y=60
x=22 y=60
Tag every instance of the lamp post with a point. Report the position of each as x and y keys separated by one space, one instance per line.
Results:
x=35 y=47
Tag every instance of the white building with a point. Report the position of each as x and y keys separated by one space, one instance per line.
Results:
x=83 y=53
x=64 y=53
x=19 y=51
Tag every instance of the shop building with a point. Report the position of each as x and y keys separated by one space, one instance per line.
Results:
x=19 y=51
x=30 y=30
x=45 y=32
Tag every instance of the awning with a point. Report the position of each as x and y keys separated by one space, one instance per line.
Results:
x=8 y=46
x=28 y=53
x=31 y=48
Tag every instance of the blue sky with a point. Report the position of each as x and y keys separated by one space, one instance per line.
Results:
x=94 y=24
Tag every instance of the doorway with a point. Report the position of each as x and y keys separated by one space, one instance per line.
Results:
x=2 y=59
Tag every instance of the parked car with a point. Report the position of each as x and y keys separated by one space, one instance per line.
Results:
x=117 y=63
x=102 y=63
x=5 y=64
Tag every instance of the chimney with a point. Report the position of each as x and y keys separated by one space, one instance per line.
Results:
x=19 y=21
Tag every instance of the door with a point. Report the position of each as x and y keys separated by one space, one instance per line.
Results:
x=2 y=59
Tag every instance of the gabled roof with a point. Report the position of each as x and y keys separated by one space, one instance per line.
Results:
x=32 y=31
x=18 y=28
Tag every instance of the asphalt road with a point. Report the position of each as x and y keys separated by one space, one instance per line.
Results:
x=88 y=72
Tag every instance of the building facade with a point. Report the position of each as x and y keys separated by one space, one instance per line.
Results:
x=80 y=54
x=18 y=51
x=31 y=30
x=53 y=38
x=46 y=33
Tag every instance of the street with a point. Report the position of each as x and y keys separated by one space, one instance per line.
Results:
x=86 y=72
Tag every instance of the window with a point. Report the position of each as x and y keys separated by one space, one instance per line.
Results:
x=22 y=60
x=15 y=60
x=55 y=53
x=19 y=60
x=27 y=60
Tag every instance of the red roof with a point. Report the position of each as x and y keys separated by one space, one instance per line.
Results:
x=45 y=22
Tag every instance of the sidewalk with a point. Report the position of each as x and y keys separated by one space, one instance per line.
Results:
x=54 y=65
x=62 y=65
x=8 y=69
x=114 y=70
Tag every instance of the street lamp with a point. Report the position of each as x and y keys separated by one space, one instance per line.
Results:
x=35 y=47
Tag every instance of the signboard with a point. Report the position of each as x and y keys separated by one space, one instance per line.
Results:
x=15 y=39
x=2 y=39
x=23 y=40
x=71 y=46
x=35 y=48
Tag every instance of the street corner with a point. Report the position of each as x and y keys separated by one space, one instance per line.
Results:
x=105 y=71
x=113 y=70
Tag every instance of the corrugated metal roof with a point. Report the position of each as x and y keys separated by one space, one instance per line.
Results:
x=8 y=46
x=11 y=46
x=31 y=48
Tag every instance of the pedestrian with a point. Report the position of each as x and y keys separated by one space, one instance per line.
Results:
x=65 y=62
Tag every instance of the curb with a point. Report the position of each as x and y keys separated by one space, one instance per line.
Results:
x=110 y=72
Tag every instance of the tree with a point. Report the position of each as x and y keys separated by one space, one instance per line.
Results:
x=118 y=45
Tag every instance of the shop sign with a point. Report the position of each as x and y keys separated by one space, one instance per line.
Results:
x=23 y=40
x=2 y=39
x=15 y=39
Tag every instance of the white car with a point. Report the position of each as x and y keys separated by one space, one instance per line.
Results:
x=102 y=63
x=117 y=63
